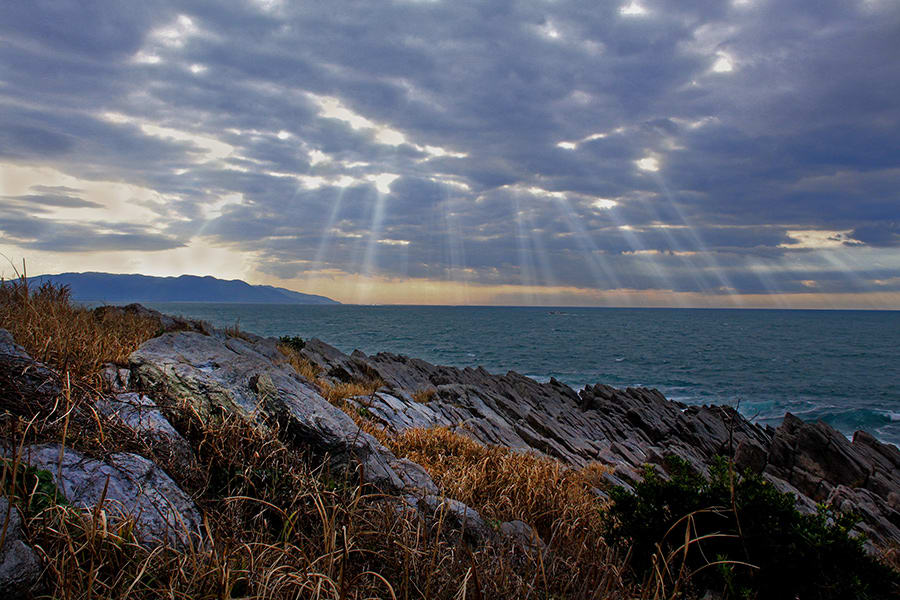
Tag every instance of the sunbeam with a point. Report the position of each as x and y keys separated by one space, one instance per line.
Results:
x=369 y=263
x=526 y=265
x=327 y=234
x=605 y=277
x=703 y=251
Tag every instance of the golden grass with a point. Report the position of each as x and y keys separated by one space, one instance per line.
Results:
x=308 y=370
x=339 y=392
x=280 y=527
x=336 y=393
x=279 y=523
x=506 y=485
x=424 y=396
x=67 y=337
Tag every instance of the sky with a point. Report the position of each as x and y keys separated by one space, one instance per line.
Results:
x=548 y=152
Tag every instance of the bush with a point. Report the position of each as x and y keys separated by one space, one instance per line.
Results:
x=738 y=534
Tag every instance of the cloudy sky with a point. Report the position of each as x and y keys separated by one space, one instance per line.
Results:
x=649 y=153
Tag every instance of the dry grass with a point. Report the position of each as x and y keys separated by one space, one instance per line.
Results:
x=336 y=393
x=424 y=396
x=279 y=527
x=308 y=370
x=506 y=485
x=276 y=524
x=69 y=338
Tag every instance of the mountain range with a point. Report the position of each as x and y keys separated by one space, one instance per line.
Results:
x=116 y=289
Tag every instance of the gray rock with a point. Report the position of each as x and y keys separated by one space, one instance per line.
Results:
x=24 y=381
x=117 y=380
x=142 y=415
x=136 y=488
x=250 y=377
x=20 y=567
x=9 y=347
x=627 y=428
x=458 y=515
x=804 y=504
x=415 y=477
x=165 y=322
x=522 y=534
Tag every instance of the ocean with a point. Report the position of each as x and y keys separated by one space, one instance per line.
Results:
x=842 y=367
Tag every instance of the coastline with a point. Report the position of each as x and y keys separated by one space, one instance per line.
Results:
x=388 y=422
x=834 y=366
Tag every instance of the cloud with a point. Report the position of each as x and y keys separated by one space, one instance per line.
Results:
x=30 y=232
x=525 y=143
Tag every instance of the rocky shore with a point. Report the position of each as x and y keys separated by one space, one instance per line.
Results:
x=193 y=367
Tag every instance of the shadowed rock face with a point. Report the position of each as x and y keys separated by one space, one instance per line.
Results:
x=628 y=428
x=24 y=381
x=19 y=564
x=141 y=414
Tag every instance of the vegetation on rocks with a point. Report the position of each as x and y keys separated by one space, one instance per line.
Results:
x=282 y=522
x=735 y=533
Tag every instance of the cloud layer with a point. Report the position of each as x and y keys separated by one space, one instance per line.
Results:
x=703 y=148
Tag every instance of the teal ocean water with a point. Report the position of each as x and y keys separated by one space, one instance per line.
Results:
x=839 y=366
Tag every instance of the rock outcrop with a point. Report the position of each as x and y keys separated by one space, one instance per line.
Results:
x=141 y=414
x=23 y=381
x=250 y=376
x=128 y=485
x=626 y=429
x=212 y=373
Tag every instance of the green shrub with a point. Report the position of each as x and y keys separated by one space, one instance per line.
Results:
x=737 y=534
x=33 y=490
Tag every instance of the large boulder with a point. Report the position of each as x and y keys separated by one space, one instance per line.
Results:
x=165 y=322
x=128 y=485
x=249 y=376
x=20 y=567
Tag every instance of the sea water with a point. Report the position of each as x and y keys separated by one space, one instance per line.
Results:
x=839 y=366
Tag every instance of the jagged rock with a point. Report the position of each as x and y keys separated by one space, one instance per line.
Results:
x=117 y=380
x=414 y=476
x=24 y=381
x=19 y=564
x=9 y=347
x=136 y=488
x=803 y=504
x=141 y=414
x=861 y=476
x=250 y=375
x=627 y=428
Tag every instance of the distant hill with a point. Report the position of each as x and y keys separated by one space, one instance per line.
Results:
x=117 y=289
